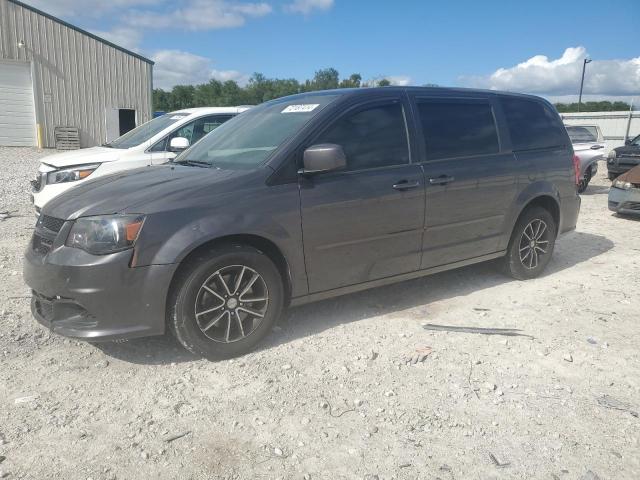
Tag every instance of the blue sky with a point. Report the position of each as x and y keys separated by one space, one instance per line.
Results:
x=457 y=43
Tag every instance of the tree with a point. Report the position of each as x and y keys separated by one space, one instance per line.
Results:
x=325 y=79
x=354 y=81
x=182 y=96
x=161 y=100
x=603 y=106
x=384 y=83
x=259 y=89
x=208 y=93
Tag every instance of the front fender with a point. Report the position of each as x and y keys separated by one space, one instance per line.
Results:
x=168 y=237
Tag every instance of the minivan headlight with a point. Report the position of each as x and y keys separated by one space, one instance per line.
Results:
x=72 y=174
x=612 y=154
x=622 y=184
x=105 y=234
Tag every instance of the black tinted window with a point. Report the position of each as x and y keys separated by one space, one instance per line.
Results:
x=532 y=124
x=372 y=137
x=458 y=129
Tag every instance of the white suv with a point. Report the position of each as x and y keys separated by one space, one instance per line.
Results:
x=154 y=142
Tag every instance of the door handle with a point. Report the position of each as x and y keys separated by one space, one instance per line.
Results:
x=405 y=185
x=441 y=180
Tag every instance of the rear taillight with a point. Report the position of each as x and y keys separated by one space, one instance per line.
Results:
x=576 y=167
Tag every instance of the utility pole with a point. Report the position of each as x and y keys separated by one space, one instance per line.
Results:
x=626 y=135
x=584 y=66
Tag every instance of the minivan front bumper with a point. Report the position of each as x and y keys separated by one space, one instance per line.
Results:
x=96 y=298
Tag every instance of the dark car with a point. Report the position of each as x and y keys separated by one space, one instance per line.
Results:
x=622 y=159
x=300 y=199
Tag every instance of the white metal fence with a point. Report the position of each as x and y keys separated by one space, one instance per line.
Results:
x=613 y=125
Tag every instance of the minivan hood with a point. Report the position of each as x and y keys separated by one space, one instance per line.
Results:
x=133 y=189
x=83 y=156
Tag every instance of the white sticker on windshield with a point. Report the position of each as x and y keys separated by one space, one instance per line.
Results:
x=178 y=117
x=308 y=107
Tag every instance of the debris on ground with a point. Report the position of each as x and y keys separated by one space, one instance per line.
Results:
x=171 y=438
x=7 y=214
x=510 y=332
x=607 y=401
x=419 y=355
x=496 y=462
x=590 y=476
x=27 y=399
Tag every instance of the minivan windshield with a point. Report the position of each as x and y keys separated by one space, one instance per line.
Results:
x=246 y=141
x=145 y=131
x=581 y=135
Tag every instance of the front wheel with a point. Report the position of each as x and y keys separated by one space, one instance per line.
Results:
x=531 y=244
x=224 y=302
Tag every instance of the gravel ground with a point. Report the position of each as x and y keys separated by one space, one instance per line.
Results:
x=330 y=395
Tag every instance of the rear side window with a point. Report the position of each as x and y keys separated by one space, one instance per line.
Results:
x=457 y=128
x=532 y=124
x=371 y=137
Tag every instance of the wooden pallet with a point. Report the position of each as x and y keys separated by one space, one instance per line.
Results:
x=67 y=138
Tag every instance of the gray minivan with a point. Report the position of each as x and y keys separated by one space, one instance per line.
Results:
x=300 y=199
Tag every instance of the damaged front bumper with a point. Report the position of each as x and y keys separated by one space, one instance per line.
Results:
x=625 y=202
x=94 y=297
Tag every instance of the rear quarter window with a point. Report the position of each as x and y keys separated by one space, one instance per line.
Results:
x=532 y=124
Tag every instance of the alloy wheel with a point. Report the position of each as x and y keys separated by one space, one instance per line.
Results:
x=534 y=242
x=231 y=303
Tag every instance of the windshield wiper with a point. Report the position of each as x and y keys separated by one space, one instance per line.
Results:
x=193 y=163
x=108 y=145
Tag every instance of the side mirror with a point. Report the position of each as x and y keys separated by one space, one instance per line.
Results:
x=324 y=157
x=627 y=141
x=178 y=144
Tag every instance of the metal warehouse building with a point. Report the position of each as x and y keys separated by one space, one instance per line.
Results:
x=54 y=75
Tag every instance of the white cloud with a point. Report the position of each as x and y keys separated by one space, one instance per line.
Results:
x=201 y=15
x=122 y=36
x=86 y=8
x=308 y=6
x=400 y=80
x=561 y=76
x=175 y=67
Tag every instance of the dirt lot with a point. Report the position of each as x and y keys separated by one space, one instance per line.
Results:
x=330 y=394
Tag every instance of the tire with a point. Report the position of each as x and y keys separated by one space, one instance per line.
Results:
x=208 y=308
x=584 y=183
x=516 y=262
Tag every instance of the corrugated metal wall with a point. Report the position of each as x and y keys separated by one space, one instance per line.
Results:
x=76 y=77
x=612 y=124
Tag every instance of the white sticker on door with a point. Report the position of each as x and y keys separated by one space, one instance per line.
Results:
x=308 y=107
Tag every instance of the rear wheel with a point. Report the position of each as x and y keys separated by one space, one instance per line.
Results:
x=531 y=244
x=224 y=302
x=584 y=182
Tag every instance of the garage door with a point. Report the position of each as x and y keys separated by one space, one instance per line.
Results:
x=17 y=112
